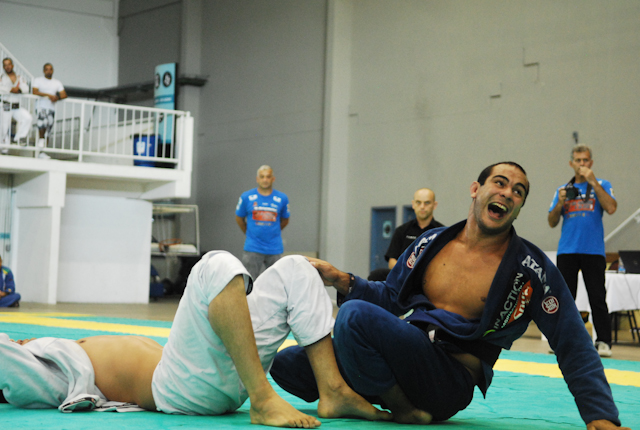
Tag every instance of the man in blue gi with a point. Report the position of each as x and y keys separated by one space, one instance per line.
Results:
x=581 y=203
x=467 y=292
x=8 y=295
x=262 y=213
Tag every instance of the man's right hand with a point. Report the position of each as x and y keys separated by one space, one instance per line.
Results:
x=554 y=215
x=331 y=276
x=562 y=196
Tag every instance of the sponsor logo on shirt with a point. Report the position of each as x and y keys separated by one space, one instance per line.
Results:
x=550 y=305
x=515 y=303
x=572 y=206
x=253 y=197
x=523 y=300
x=533 y=265
x=261 y=213
x=417 y=250
x=277 y=199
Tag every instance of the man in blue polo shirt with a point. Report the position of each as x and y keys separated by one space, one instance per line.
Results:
x=581 y=203
x=262 y=213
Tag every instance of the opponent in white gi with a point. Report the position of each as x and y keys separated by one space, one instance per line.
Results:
x=211 y=362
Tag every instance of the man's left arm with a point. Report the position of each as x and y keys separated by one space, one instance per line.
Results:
x=606 y=200
x=554 y=312
x=283 y=223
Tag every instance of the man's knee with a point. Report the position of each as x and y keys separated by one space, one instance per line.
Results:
x=292 y=259
x=215 y=271
x=353 y=320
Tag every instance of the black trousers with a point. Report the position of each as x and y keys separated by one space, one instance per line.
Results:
x=593 y=267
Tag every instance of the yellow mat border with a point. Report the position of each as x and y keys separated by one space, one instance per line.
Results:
x=550 y=370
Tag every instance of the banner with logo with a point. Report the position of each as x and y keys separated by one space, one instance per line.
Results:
x=164 y=95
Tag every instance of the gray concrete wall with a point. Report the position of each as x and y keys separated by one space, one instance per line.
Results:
x=440 y=89
x=79 y=37
x=150 y=34
x=436 y=91
x=262 y=105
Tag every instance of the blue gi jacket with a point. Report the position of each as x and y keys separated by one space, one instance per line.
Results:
x=527 y=286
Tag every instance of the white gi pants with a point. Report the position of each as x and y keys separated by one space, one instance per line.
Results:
x=196 y=374
x=45 y=373
x=23 y=119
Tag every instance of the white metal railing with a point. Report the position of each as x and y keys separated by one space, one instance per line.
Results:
x=89 y=131
x=634 y=216
x=17 y=66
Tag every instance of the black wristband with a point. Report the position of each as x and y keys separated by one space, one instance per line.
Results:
x=352 y=282
x=340 y=297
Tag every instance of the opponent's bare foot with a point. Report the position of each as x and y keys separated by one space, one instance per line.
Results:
x=275 y=411
x=346 y=403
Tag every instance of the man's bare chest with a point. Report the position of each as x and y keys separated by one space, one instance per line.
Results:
x=459 y=281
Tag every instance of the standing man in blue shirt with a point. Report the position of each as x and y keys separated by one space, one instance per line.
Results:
x=8 y=296
x=262 y=213
x=581 y=203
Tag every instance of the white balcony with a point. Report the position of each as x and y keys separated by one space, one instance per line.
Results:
x=81 y=219
x=103 y=141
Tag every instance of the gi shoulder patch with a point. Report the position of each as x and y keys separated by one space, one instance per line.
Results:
x=550 y=305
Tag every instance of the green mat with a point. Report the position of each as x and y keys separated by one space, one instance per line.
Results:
x=514 y=400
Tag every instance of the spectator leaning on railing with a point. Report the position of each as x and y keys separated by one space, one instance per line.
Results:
x=12 y=84
x=51 y=91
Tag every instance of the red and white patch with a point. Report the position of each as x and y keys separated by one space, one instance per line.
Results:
x=523 y=300
x=411 y=260
x=550 y=305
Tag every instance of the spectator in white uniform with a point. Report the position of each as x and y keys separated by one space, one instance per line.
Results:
x=11 y=85
x=51 y=91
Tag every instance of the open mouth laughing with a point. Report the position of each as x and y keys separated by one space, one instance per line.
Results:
x=497 y=210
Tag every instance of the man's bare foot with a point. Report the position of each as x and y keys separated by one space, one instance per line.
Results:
x=403 y=410
x=413 y=416
x=346 y=403
x=275 y=411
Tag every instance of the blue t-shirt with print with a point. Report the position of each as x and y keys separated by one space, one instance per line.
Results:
x=263 y=215
x=582 y=229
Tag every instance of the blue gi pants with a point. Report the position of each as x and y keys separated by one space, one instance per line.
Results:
x=9 y=299
x=375 y=350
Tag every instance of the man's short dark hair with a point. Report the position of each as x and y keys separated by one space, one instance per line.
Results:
x=46 y=64
x=486 y=172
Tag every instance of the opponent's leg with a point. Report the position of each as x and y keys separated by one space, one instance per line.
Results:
x=290 y=295
x=230 y=320
x=210 y=359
